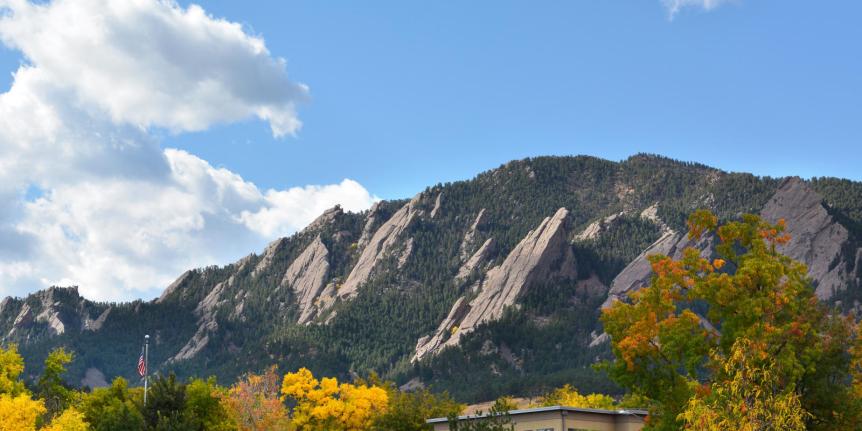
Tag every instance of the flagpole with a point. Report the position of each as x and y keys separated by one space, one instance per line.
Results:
x=146 y=364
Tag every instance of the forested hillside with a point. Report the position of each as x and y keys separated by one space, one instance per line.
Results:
x=497 y=280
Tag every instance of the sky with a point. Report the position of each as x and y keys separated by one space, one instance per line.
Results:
x=142 y=138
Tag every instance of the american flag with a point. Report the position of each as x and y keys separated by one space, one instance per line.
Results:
x=142 y=365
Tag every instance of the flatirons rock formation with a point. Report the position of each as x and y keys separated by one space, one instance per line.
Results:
x=353 y=292
x=307 y=277
x=544 y=255
x=816 y=238
x=382 y=242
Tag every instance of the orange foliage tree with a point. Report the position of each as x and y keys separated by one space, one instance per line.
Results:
x=253 y=403
x=735 y=336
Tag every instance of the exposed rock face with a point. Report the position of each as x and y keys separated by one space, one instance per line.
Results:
x=383 y=241
x=23 y=320
x=479 y=258
x=206 y=323
x=436 y=205
x=306 y=276
x=268 y=254
x=327 y=217
x=816 y=238
x=94 y=378
x=470 y=236
x=173 y=286
x=434 y=343
x=543 y=255
x=599 y=339
x=54 y=311
x=595 y=228
x=638 y=273
x=651 y=213
x=593 y=286
x=94 y=325
x=370 y=222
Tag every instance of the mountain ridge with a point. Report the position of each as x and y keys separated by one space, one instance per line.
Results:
x=371 y=291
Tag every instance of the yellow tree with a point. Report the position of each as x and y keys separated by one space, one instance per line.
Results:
x=11 y=367
x=749 y=397
x=570 y=397
x=69 y=420
x=19 y=412
x=327 y=405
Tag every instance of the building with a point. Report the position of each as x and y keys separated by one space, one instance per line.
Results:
x=560 y=418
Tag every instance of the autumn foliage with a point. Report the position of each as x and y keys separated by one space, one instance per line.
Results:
x=254 y=404
x=326 y=404
x=738 y=341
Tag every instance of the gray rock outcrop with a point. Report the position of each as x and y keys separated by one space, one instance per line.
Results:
x=379 y=246
x=476 y=261
x=324 y=219
x=472 y=234
x=816 y=238
x=307 y=277
x=268 y=255
x=207 y=324
x=638 y=272
x=370 y=222
x=543 y=255
x=174 y=286
x=94 y=325
x=816 y=241
x=437 y=203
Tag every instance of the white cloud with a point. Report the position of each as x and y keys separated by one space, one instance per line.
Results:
x=153 y=63
x=675 y=6
x=117 y=214
x=116 y=236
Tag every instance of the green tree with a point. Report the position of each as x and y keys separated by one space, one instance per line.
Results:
x=112 y=409
x=408 y=410
x=203 y=410
x=678 y=342
x=166 y=403
x=51 y=387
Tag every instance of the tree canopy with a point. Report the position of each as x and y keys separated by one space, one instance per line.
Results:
x=739 y=341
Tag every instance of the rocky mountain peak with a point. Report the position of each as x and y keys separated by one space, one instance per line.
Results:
x=327 y=217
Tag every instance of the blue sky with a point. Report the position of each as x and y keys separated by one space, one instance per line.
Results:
x=142 y=138
x=406 y=95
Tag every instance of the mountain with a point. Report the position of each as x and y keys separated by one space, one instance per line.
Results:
x=481 y=287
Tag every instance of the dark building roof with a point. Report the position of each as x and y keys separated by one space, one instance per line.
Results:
x=631 y=412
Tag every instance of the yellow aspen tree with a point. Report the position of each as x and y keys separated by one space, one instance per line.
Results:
x=69 y=420
x=327 y=405
x=20 y=412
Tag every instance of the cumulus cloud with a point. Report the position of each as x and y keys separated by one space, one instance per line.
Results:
x=675 y=6
x=112 y=236
x=153 y=63
x=114 y=212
